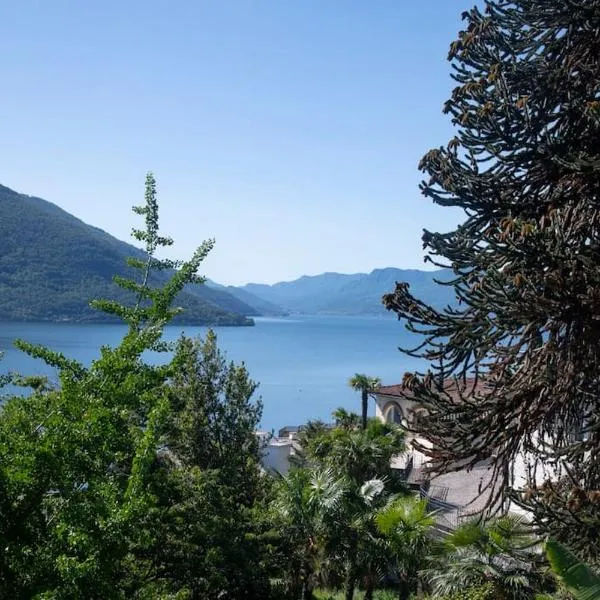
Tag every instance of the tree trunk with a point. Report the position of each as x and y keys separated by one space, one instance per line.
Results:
x=369 y=586
x=404 y=591
x=306 y=591
x=365 y=408
x=420 y=588
x=350 y=583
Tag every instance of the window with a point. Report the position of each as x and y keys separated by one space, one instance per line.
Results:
x=393 y=414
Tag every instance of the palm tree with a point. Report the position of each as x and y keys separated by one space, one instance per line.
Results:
x=360 y=458
x=501 y=551
x=406 y=524
x=363 y=455
x=365 y=553
x=359 y=454
x=307 y=504
x=365 y=385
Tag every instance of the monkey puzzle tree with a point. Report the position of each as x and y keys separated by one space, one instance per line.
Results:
x=524 y=166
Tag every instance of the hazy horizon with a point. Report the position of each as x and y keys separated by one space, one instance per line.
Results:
x=289 y=132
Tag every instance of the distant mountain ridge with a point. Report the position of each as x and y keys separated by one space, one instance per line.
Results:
x=52 y=264
x=352 y=294
x=257 y=306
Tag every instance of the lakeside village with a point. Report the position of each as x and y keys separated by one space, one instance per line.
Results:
x=455 y=496
x=133 y=478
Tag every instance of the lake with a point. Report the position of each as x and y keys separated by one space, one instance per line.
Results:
x=301 y=363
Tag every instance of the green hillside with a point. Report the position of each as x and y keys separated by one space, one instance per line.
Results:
x=259 y=306
x=52 y=264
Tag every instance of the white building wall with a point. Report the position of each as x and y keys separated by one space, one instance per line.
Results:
x=275 y=453
x=388 y=408
x=520 y=468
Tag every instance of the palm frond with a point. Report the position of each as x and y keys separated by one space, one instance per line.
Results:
x=577 y=577
x=371 y=489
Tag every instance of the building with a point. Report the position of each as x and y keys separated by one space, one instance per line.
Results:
x=276 y=451
x=289 y=432
x=455 y=495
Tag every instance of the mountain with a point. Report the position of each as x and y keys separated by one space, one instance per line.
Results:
x=52 y=264
x=355 y=294
x=222 y=297
x=257 y=306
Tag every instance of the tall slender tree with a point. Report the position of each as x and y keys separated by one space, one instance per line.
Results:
x=406 y=524
x=365 y=385
x=524 y=167
x=103 y=475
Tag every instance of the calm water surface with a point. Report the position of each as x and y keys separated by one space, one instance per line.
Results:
x=301 y=363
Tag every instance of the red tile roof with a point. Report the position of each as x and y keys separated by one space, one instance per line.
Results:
x=467 y=386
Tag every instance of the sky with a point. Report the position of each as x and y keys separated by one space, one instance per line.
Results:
x=288 y=130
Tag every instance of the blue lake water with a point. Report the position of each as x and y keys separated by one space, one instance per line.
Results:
x=301 y=363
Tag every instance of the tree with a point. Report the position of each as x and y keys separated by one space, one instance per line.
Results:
x=91 y=485
x=307 y=506
x=361 y=457
x=214 y=415
x=360 y=454
x=76 y=461
x=501 y=553
x=406 y=524
x=524 y=342
x=207 y=480
x=365 y=385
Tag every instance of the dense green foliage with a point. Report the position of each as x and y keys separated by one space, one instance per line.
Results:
x=324 y=594
x=523 y=167
x=204 y=537
x=52 y=264
x=138 y=480
x=406 y=524
x=481 y=592
x=118 y=484
x=501 y=554
x=327 y=507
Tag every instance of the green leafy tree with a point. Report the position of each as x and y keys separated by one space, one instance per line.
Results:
x=406 y=524
x=361 y=457
x=86 y=467
x=524 y=261
x=208 y=484
x=365 y=385
x=360 y=454
x=214 y=415
x=308 y=505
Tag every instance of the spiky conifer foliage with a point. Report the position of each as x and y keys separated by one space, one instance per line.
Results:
x=524 y=166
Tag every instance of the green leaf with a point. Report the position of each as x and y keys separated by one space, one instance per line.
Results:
x=577 y=577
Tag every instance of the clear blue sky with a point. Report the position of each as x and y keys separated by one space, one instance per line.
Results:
x=289 y=130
